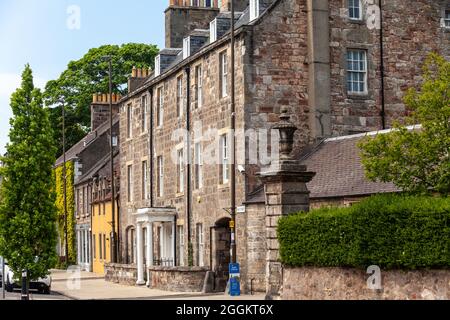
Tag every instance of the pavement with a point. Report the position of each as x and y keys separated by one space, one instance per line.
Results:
x=90 y=286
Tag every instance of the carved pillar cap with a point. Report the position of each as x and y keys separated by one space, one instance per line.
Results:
x=287 y=130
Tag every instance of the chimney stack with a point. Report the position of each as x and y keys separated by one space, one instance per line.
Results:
x=182 y=19
x=100 y=108
x=138 y=76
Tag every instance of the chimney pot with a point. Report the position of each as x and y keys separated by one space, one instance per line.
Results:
x=133 y=72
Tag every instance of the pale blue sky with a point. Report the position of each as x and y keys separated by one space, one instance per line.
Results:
x=36 y=32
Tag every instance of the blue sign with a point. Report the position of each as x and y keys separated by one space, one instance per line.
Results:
x=235 y=280
x=234 y=268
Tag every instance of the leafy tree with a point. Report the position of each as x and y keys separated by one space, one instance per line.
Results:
x=27 y=209
x=417 y=160
x=87 y=76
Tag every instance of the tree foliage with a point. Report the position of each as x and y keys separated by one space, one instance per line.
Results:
x=27 y=210
x=70 y=205
x=87 y=76
x=417 y=160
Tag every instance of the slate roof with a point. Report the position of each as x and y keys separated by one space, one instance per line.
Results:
x=73 y=152
x=339 y=171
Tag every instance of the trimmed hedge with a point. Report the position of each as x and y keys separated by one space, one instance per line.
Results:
x=391 y=231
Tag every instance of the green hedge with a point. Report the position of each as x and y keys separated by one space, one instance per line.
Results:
x=391 y=231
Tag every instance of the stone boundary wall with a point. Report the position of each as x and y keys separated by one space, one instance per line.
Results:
x=181 y=279
x=311 y=283
x=121 y=273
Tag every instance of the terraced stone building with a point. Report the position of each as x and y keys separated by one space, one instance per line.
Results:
x=339 y=66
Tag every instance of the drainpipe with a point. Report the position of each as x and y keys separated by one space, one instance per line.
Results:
x=188 y=157
x=382 y=113
x=119 y=258
x=91 y=254
x=150 y=91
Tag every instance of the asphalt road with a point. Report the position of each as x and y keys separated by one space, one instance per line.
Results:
x=33 y=296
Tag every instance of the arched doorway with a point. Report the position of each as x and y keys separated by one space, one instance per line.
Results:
x=222 y=258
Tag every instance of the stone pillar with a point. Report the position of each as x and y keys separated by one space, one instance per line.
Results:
x=149 y=250
x=140 y=254
x=174 y=241
x=285 y=193
x=78 y=247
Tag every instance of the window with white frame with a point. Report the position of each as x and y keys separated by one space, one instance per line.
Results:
x=180 y=96
x=225 y=161
x=213 y=31
x=198 y=166
x=199 y=86
x=159 y=106
x=130 y=183
x=157 y=65
x=223 y=59
x=144 y=189
x=447 y=18
x=144 y=112
x=195 y=3
x=186 y=47
x=180 y=255
x=254 y=9
x=355 y=9
x=357 y=71
x=129 y=121
x=209 y=3
x=160 y=180
x=200 y=245
x=180 y=171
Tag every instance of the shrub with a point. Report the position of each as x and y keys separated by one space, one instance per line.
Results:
x=391 y=231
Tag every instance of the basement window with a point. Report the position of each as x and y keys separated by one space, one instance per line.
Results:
x=254 y=9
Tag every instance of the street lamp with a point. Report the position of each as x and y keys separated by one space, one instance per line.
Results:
x=233 y=148
x=65 y=182
x=113 y=191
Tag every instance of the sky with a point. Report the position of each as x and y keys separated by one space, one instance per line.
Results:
x=48 y=34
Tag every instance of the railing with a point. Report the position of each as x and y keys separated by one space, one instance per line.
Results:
x=163 y=262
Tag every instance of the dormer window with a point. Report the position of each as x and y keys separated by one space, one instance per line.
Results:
x=254 y=9
x=213 y=31
x=157 y=65
x=186 y=47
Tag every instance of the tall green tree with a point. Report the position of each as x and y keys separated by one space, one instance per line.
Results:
x=87 y=76
x=27 y=208
x=417 y=160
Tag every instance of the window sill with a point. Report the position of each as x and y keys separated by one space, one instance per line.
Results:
x=358 y=96
x=179 y=194
x=356 y=21
x=223 y=185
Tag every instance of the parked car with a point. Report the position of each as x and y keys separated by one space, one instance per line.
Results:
x=42 y=285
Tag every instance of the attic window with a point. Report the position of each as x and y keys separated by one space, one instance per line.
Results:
x=213 y=31
x=186 y=47
x=254 y=9
x=157 y=65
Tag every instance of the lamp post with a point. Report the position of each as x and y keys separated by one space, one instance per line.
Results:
x=232 y=145
x=65 y=182
x=113 y=197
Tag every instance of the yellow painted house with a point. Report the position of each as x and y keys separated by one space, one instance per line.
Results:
x=101 y=224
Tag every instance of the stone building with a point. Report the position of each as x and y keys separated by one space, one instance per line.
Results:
x=339 y=66
x=88 y=155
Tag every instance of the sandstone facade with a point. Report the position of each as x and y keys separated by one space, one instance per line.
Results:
x=277 y=65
